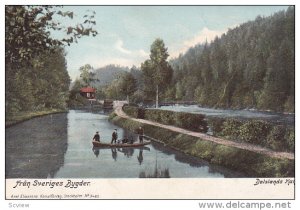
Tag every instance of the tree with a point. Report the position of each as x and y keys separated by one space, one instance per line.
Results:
x=87 y=75
x=51 y=87
x=112 y=91
x=277 y=80
x=138 y=76
x=39 y=87
x=149 y=86
x=27 y=31
x=35 y=68
x=128 y=85
x=157 y=69
x=75 y=99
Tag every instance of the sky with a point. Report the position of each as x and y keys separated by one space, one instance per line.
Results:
x=127 y=32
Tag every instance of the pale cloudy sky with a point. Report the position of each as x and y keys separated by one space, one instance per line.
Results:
x=126 y=32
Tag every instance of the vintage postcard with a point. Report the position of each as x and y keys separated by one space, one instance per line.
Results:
x=150 y=102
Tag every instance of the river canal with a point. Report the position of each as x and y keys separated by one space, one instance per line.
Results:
x=59 y=146
x=287 y=119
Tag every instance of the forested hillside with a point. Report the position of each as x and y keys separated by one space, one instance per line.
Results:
x=251 y=66
x=107 y=74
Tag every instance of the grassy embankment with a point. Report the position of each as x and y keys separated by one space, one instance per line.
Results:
x=12 y=119
x=250 y=163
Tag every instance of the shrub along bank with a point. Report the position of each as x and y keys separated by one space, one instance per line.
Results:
x=250 y=163
x=193 y=122
x=276 y=137
x=258 y=132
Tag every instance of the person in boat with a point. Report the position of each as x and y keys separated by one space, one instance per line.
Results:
x=141 y=134
x=114 y=137
x=125 y=141
x=96 y=137
x=131 y=140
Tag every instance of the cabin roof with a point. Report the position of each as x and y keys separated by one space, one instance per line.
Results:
x=87 y=90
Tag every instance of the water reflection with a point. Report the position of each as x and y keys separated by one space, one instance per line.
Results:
x=36 y=148
x=114 y=153
x=140 y=157
x=158 y=173
x=127 y=151
x=196 y=162
x=96 y=151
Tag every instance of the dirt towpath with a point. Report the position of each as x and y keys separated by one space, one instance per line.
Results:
x=245 y=146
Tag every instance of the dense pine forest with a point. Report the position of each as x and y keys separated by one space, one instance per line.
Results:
x=251 y=66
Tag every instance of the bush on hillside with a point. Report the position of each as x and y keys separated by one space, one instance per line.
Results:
x=254 y=131
x=216 y=125
x=290 y=139
x=276 y=138
x=231 y=128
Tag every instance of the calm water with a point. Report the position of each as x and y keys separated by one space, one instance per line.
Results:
x=59 y=146
x=240 y=114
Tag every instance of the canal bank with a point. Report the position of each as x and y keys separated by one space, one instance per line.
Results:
x=19 y=117
x=254 y=162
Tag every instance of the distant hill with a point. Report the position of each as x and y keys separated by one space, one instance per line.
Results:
x=107 y=74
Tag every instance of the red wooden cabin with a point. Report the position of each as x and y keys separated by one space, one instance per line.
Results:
x=88 y=92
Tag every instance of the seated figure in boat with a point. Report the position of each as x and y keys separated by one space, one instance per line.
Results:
x=125 y=140
x=122 y=141
x=131 y=140
x=96 y=137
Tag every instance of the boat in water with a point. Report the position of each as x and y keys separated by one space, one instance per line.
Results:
x=102 y=144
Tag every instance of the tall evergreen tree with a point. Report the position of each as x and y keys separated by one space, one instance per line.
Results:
x=128 y=85
x=157 y=69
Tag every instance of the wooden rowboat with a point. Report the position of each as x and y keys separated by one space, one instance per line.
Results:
x=121 y=149
x=101 y=144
